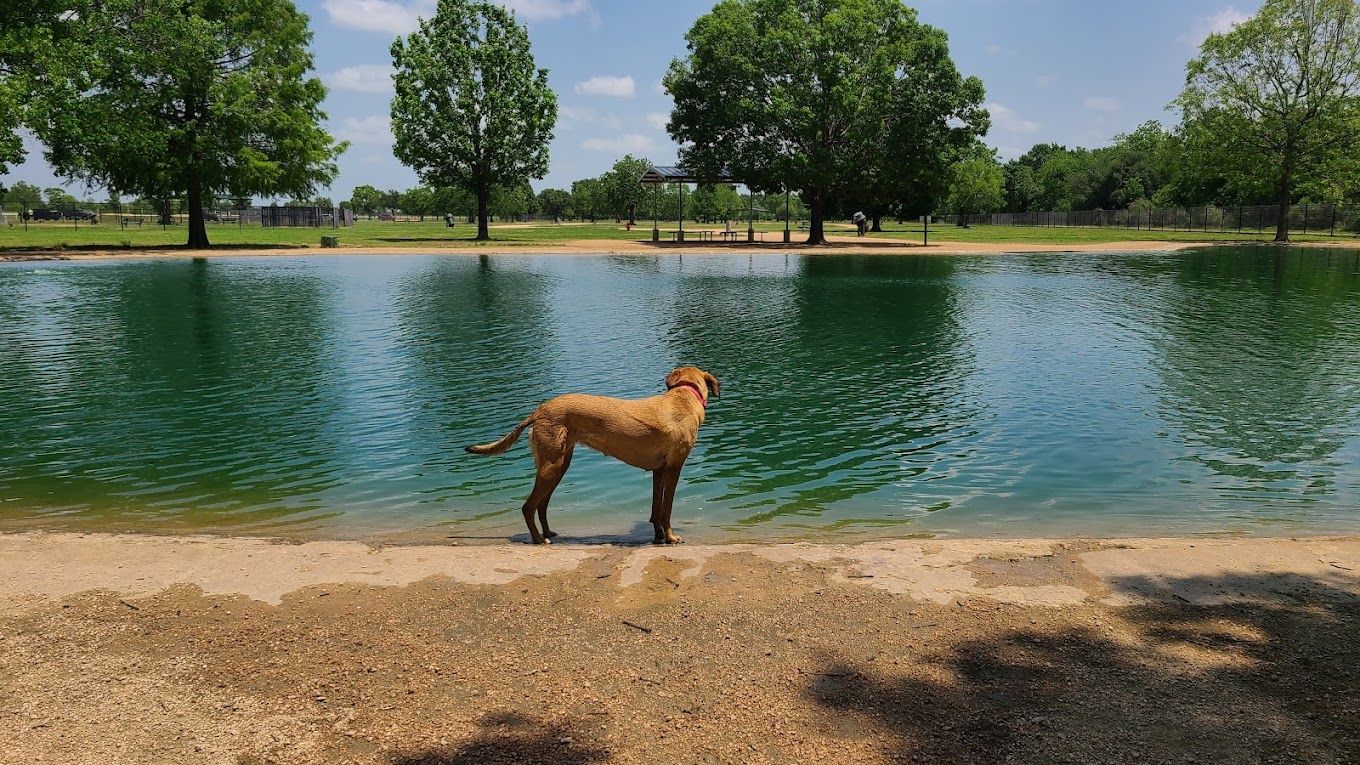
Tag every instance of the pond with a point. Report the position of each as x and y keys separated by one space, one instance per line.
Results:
x=1210 y=391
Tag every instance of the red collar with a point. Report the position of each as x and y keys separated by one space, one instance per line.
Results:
x=695 y=390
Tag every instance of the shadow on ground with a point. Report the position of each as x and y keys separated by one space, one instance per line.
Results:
x=518 y=740
x=1274 y=677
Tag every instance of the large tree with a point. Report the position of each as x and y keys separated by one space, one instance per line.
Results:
x=471 y=110
x=623 y=185
x=832 y=98
x=978 y=185
x=366 y=199
x=31 y=26
x=587 y=198
x=554 y=202
x=1280 y=92
x=191 y=98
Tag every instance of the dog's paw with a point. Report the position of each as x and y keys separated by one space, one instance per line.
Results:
x=674 y=540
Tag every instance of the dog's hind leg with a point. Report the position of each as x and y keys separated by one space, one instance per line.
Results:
x=552 y=457
x=543 y=503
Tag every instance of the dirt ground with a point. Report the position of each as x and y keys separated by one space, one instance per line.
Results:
x=192 y=650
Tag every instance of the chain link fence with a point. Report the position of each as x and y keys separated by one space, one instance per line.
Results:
x=1323 y=219
x=14 y=214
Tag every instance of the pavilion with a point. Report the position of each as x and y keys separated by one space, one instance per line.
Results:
x=657 y=176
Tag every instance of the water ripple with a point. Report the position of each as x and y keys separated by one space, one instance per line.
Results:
x=1205 y=391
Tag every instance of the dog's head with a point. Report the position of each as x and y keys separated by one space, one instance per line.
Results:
x=695 y=376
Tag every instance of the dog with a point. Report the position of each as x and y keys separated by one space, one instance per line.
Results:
x=655 y=434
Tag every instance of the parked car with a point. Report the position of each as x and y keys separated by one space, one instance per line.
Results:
x=386 y=216
x=78 y=213
x=42 y=213
x=212 y=216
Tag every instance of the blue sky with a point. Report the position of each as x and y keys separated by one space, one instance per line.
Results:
x=1073 y=72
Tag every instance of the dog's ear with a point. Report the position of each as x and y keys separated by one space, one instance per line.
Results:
x=674 y=378
x=712 y=384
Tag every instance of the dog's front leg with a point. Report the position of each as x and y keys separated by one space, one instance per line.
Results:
x=658 y=498
x=670 y=478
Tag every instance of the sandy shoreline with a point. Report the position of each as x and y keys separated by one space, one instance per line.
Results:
x=132 y=649
x=840 y=245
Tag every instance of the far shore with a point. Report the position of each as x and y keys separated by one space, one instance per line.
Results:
x=839 y=245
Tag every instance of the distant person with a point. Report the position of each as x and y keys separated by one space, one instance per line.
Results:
x=861 y=223
x=448 y=220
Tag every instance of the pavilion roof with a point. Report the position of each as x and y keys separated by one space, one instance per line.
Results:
x=672 y=174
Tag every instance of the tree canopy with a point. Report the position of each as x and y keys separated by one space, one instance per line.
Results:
x=623 y=186
x=195 y=97
x=471 y=109
x=365 y=199
x=849 y=98
x=31 y=27
x=1278 y=96
x=978 y=184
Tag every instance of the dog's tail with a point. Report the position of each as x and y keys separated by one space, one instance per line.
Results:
x=502 y=446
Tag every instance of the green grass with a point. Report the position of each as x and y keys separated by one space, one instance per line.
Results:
x=65 y=235
x=1058 y=236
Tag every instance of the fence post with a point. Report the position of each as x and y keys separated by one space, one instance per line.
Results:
x=1333 y=232
x=1305 y=219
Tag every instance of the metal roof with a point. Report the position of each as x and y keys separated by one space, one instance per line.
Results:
x=670 y=174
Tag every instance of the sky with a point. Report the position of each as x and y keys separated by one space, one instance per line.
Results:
x=1072 y=72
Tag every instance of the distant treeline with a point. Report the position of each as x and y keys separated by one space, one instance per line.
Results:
x=1152 y=168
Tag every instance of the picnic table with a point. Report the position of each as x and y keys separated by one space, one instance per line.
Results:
x=700 y=234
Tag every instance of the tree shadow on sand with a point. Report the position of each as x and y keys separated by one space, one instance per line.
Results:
x=1270 y=673
x=514 y=739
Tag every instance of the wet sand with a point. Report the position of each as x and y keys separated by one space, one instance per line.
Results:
x=140 y=649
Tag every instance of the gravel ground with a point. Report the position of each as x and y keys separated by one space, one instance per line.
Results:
x=736 y=658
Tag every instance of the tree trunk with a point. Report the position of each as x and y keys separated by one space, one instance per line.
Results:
x=816 y=232
x=198 y=230
x=877 y=228
x=1282 y=196
x=483 y=201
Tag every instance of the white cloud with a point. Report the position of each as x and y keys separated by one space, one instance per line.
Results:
x=617 y=87
x=376 y=128
x=547 y=10
x=394 y=18
x=1003 y=118
x=569 y=117
x=658 y=120
x=1102 y=104
x=398 y=18
x=1220 y=22
x=367 y=78
x=631 y=143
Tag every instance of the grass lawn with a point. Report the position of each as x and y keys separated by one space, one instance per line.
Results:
x=66 y=235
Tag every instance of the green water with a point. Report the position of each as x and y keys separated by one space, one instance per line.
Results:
x=1211 y=391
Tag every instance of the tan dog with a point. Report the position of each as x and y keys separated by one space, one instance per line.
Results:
x=654 y=434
